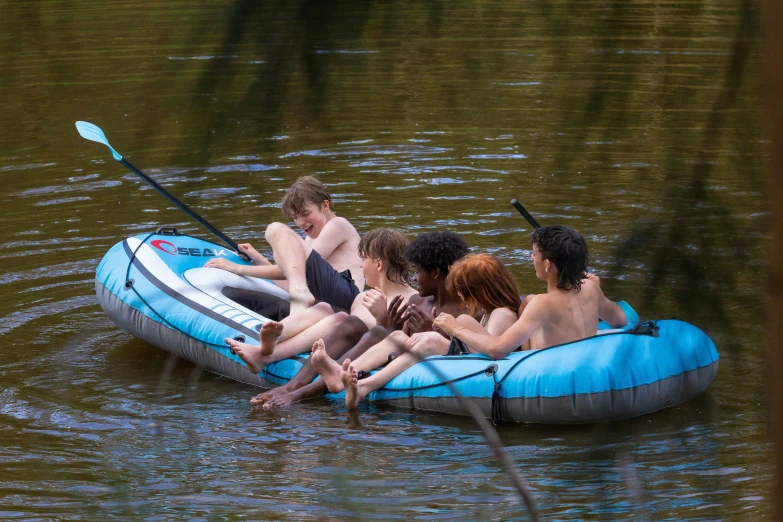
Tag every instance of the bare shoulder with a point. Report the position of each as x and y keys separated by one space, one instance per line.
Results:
x=541 y=306
x=340 y=225
x=592 y=288
x=416 y=299
x=503 y=313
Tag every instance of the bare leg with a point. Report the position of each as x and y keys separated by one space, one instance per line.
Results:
x=372 y=358
x=269 y=334
x=339 y=344
x=303 y=341
x=295 y=324
x=291 y=257
x=314 y=389
x=350 y=379
x=256 y=359
x=327 y=367
x=359 y=389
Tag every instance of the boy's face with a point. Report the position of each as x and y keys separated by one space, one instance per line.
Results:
x=312 y=218
x=427 y=284
x=369 y=268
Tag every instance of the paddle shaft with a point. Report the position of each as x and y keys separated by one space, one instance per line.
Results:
x=183 y=206
x=525 y=214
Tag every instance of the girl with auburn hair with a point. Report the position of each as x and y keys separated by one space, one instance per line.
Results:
x=484 y=284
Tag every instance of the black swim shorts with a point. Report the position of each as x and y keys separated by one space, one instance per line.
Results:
x=327 y=284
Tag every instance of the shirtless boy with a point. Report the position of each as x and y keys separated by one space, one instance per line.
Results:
x=568 y=312
x=384 y=267
x=325 y=266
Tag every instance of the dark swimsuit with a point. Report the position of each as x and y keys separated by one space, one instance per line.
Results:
x=327 y=284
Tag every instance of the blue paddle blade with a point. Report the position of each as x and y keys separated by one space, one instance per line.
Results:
x=91 y=132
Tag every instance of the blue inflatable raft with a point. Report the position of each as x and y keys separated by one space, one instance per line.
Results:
x=155 y=287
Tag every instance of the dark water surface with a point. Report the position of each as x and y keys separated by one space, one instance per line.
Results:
x=634 y=122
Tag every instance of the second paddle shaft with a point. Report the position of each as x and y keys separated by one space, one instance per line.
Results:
x=525 y=214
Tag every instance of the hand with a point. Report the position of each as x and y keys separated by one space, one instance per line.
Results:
x=252 y=253
x=418 y=319
x=396 y=312
x=224 y=264
x=375 y=302
x=447 y=324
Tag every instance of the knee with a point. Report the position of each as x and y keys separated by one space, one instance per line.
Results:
x=353 y=326
x=339 y=317
x=398 y=336
x=325 y=309
x=378 y=332
x=432 y=344
x=274 y=231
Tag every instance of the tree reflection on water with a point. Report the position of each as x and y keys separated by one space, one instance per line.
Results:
x=642 y=91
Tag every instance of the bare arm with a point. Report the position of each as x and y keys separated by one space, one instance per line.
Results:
x=269 y=271
x=611 y=312
x=608 y=310
x=336 y=232
x=499 y=346
x=359 y=310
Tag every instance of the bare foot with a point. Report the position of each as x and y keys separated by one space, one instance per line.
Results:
x=282 y=401
x=252 y=355
x=301 y=299
x=261 y=398
x=327 y=367
x=270 y=333
x=351 y=382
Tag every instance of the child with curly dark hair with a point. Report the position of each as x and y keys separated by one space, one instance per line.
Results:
x=569 y=311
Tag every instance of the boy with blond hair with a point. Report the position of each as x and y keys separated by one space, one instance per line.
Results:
x=324 y=266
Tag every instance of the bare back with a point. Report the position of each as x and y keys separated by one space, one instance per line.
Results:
x=567 y=315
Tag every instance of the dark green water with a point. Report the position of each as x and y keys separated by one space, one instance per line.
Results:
x=635 y=123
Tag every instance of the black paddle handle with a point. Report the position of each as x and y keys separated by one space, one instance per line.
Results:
x=525 y=214
x=227 y=240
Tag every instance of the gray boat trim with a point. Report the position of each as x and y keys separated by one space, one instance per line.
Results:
x=571 y=409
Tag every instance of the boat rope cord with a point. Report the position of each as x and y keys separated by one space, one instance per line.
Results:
x=132 y=257
x=645 y=328
x=497 y=415
x=186 y=301
x=443 y=383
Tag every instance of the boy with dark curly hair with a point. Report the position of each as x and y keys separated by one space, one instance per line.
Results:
x=569 y=311
x=432 y=254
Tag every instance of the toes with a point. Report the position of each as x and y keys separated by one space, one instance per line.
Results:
x=346 y=364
